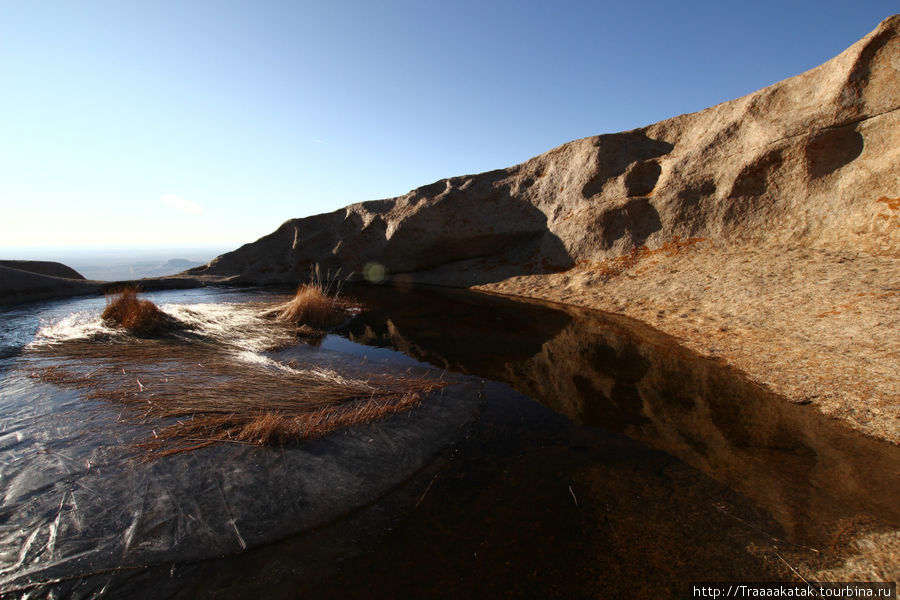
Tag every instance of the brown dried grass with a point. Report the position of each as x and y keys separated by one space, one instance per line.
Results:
x=267 y=428
x=125 y=310
x=311 y=306
x=194 y=395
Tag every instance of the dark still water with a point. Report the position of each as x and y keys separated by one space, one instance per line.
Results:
x=568 y=454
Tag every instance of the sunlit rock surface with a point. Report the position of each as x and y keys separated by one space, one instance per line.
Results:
x=805 y=161
x=764 y=230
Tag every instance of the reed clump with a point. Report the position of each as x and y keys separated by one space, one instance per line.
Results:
x=316 y=307
x=125 y=310
x=313 y=307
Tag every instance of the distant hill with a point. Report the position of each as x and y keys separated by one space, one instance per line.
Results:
x=22 y=280
x=42 y=267
x=137 y=264
x=134 y=270
x=181 y=263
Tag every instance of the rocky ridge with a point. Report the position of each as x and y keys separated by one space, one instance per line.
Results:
x=764 y=230
x=23 y=280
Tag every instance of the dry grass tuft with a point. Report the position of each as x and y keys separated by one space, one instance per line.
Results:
x=125 y=310
x=317 y=305
x=312 y=307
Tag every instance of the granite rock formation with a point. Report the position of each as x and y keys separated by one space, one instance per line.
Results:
x=808 y=161
x=764 y=230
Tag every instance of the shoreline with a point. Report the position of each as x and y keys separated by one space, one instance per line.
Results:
x=867 y=546
x=784 y=333
x=813 y=327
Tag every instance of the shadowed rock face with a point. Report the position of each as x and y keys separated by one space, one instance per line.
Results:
x=52 y=269
x=773 y=166
x=22 y=280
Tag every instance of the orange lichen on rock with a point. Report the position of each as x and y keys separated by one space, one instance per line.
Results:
x=892 y=203
x=615 y=266
x=839 y=309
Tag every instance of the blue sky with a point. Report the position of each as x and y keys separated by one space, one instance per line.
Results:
x=210 y=123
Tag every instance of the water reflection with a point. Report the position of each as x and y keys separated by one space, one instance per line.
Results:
x=482 y=493
x=812 y=474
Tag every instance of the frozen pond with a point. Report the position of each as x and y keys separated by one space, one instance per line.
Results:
x=566 y=454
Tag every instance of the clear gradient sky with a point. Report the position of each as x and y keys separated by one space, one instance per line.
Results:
x=127 y=123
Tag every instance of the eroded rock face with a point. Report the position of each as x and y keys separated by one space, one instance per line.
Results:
x=764 y=231
x=804 y=161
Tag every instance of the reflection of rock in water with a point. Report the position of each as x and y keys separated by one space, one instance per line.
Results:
x=497 y=519
x=611 y=372
x=470 y=333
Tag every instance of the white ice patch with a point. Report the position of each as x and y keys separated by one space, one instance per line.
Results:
x=231 y=324
x=322 y=373
x=256 y=358
x=76 y=326
x=235 y=326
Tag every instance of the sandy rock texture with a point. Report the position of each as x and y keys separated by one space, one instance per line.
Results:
x=764 y=230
